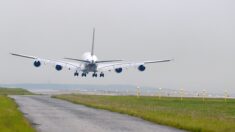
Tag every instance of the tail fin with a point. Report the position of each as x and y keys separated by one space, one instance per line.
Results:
x=93 y=43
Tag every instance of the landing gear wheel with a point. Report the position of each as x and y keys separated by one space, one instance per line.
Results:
x=76 y=74
x=94 y=75
x=101 y=74
x=83 y=74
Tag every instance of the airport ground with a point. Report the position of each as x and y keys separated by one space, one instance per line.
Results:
x=45 y=113
x=55 y=115
x=11 y=119
x=193 y=114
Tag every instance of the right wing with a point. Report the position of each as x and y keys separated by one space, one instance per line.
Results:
x=68 y=65
x=126 y=65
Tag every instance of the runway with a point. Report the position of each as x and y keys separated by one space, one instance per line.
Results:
x=53 y=115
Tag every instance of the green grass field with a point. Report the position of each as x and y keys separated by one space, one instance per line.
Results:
x=14 y=91
x=213 y=115
x=11 y=119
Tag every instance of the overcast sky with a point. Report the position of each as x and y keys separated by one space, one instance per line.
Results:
x=198 y=34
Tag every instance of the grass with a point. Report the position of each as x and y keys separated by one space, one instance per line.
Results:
x=213 y=115
x=11 y=119
x=14 y=91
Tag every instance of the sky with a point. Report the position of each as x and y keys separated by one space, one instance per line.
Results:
x=198 y=34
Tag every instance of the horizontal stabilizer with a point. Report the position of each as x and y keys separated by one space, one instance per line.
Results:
x=77 y=60
x=106 y=61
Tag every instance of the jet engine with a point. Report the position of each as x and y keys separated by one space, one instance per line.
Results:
x=141 y=68
x=58 y=67
x=118 y=70
x=37 y=63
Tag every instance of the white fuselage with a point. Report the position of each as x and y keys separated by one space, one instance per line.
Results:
x=88 y=57
x=92 y=66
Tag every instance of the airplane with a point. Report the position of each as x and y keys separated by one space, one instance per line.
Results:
x=90 y=63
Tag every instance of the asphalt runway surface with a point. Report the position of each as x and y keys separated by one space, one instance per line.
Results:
x=54 y=115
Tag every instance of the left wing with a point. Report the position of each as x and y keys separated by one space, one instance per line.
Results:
x=126 y=65
x=59 y=65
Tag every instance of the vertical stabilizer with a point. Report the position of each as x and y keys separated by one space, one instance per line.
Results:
x=93 y=43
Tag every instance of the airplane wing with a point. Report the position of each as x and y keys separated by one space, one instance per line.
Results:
x=59 y=65
x=126 y=65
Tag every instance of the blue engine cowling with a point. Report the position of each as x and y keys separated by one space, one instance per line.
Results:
x=141 y=68
x=58 y=67
x=118 y=70
x=37 y=63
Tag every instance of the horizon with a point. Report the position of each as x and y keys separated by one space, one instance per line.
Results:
x=116 y=88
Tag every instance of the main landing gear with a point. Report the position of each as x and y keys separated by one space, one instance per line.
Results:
x=101 y=74
x=76 y=74
x=95 y=75
x=83 y=74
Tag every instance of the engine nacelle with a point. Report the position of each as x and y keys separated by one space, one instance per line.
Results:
x=58 y=67
x=37 y=63
x=118 y=70
x=141 y=68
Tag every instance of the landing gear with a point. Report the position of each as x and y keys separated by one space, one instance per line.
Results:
x=83 y=74
x=101 y=74
x=94 y=75
x=76 y=74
